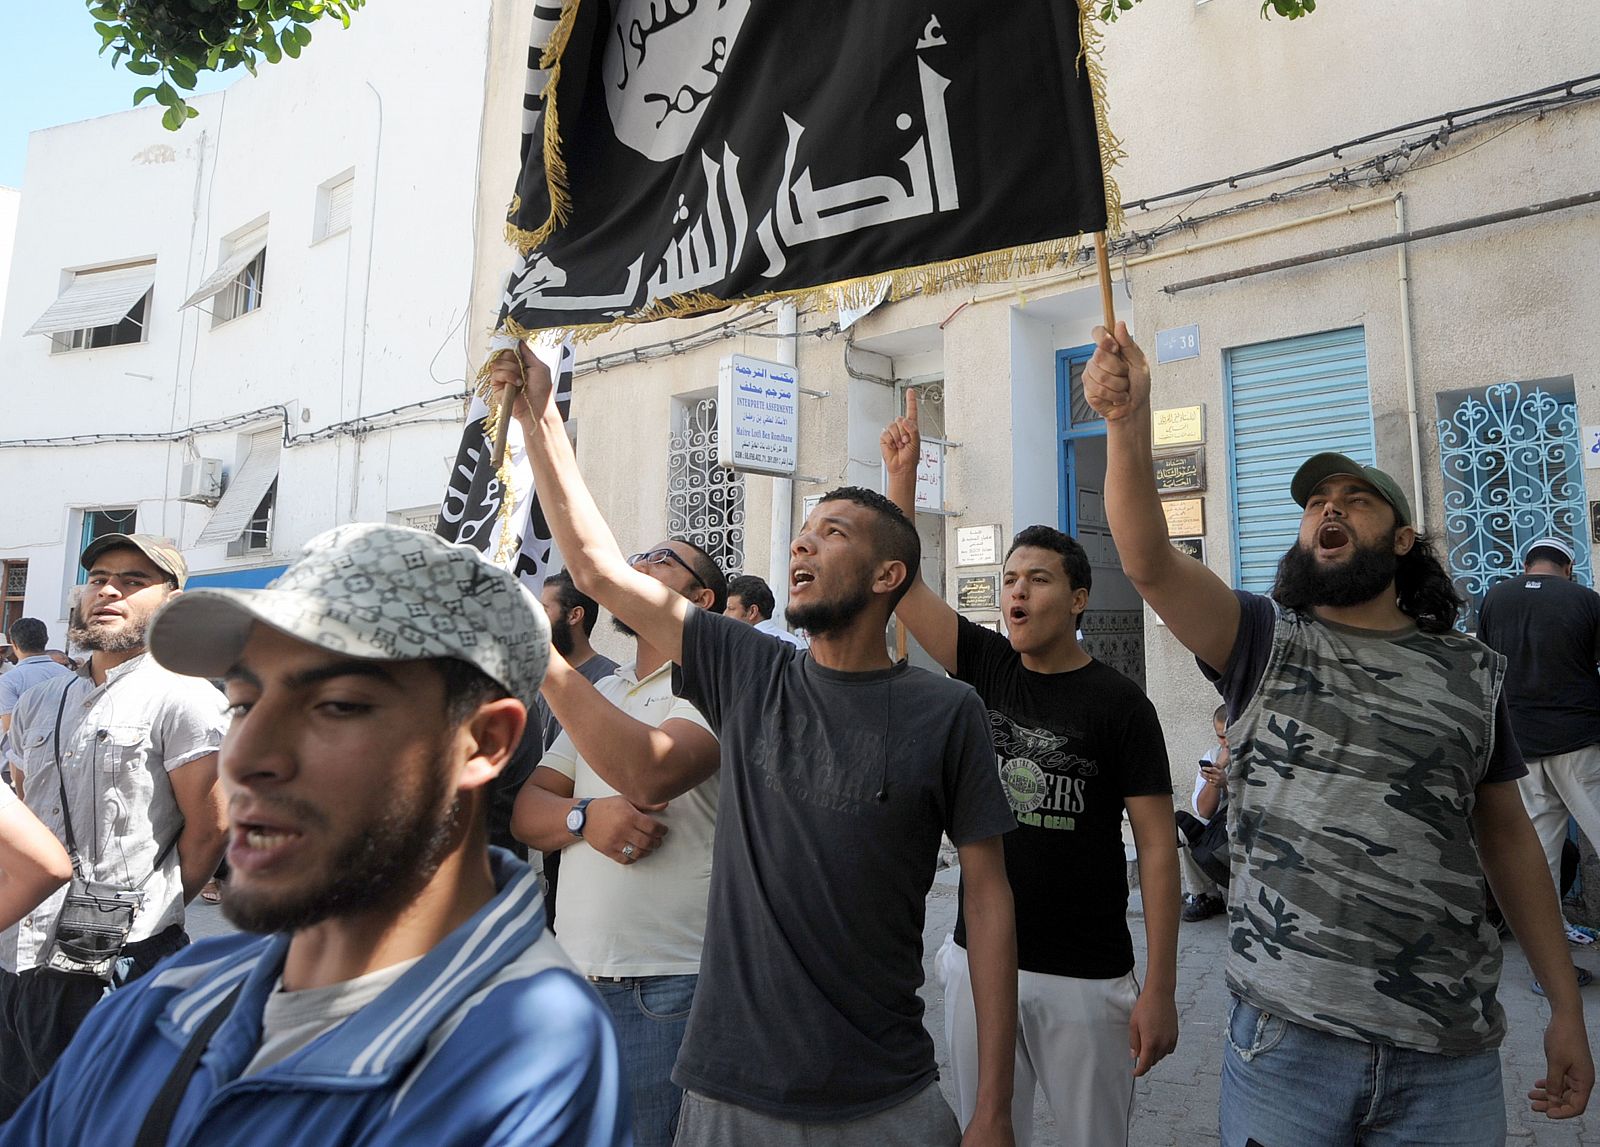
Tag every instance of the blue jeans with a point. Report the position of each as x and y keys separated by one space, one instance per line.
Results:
x=1284 y=1085
x=650 y=1014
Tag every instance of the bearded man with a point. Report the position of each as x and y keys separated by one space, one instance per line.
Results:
x=840 y=771
x=403 y=988
x=119 y=760
x=1372 y=791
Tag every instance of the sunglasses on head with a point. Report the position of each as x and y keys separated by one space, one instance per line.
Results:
x=663 y=556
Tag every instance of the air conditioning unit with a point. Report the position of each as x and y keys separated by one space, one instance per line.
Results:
x=201 y=481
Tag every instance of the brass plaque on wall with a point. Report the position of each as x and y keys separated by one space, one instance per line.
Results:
x=980 y=591
x=1181 y=473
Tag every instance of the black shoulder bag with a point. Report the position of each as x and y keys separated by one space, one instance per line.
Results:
x=95 y=917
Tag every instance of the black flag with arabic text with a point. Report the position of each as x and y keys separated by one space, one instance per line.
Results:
x=474 y=510
x=702 y=152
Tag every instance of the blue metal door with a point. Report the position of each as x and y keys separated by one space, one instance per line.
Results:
x=1076 y=420
x=1112 y=628
x=1287 y=400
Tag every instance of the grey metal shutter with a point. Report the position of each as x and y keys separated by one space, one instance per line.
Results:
x=1287 y=400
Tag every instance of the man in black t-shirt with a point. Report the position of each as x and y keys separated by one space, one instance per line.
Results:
x=840 y=771
x=1548 y=627
x=1077 y=743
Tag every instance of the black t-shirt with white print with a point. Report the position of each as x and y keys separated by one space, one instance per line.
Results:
x=1071 y=747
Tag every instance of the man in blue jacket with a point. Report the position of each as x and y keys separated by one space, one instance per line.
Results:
x=401 y=987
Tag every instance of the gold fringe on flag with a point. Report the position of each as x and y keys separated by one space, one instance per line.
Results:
x=829 y=298
x=555 y=165
x=1090 y=36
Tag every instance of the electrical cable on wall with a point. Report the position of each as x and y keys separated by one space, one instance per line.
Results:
x=354 y=427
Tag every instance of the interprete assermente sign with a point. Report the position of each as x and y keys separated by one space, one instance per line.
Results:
x=758 y=415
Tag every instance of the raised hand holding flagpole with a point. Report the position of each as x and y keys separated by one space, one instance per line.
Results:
x=502 y=425
x=523 y=381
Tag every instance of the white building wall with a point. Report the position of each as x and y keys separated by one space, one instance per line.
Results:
x=352 y=326
x=1490 y=305
x=10 y=202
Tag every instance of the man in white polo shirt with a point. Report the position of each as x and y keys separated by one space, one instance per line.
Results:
x=634 y=879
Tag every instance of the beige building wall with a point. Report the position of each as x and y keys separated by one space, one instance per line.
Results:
x=499 y=151
x=1199 y=92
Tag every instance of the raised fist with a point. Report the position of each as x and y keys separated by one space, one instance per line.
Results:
x=1116 y=383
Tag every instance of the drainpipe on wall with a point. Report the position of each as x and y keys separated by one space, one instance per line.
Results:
x=1408 y=353
x=782 y=488
x=359 y=440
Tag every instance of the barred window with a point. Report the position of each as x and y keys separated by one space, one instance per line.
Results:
x=1512 y=466
x=705 y=501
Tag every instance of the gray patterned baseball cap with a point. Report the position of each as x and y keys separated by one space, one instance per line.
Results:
x=377 y=592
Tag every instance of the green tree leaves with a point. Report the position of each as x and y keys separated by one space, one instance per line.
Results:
x=179 y=40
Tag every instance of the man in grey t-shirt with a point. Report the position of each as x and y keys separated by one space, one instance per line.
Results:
x=840 y=771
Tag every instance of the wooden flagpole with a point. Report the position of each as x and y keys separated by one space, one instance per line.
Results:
x=508 y=402
x=1107 y=302
x=502 y=424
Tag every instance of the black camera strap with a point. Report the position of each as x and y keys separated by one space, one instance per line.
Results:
x=66 y=810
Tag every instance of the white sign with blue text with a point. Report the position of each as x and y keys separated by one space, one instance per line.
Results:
x=1177 y=343
x=1591 y=447
x=758 y=415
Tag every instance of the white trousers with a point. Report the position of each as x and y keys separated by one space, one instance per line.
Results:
x=1559 y=786
x=1195 y=880
x=1072 y=1040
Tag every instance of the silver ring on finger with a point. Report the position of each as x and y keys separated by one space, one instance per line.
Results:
x=628 y=850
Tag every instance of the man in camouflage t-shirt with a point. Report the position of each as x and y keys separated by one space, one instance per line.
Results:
x=1371 y=792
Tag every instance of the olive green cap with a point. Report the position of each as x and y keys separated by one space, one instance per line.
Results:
x=1317 y=469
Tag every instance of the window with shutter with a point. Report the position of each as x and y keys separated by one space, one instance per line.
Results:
x=237 y=282
x=106 y=307
x=338 y=198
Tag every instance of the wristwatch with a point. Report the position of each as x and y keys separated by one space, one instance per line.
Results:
x=576 y=815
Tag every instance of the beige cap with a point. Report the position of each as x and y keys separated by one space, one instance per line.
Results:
x=163 y=551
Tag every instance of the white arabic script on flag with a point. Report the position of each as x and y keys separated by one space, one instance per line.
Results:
x=661 y=68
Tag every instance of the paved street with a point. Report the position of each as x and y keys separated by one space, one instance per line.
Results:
x=1177 y=1103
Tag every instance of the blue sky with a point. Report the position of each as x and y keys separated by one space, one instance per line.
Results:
x=50 y=74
